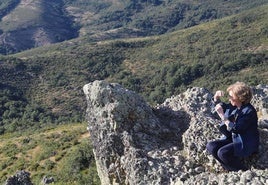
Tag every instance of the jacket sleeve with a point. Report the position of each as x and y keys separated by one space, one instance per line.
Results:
x=224 y=131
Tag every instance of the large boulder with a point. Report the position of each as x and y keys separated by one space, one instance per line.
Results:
x=135 y=143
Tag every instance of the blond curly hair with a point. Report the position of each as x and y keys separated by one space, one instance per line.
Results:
x=242 y=92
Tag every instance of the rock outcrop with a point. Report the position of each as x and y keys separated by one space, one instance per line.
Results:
x=138 y=144
x=20 y=178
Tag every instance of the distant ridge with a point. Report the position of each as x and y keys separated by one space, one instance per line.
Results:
x=29 y=24
x=33 y=24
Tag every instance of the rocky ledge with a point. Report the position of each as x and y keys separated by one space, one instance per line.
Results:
x=135 y=143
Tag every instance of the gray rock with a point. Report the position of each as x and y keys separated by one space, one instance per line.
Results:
x=137 y=144
x=20 y=178
x=47 y=180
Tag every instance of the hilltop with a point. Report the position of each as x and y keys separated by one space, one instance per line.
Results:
x=136 y=144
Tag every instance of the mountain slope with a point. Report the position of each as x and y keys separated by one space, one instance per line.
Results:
x=27 y=24
x=34 y=23
x=132 y=18
x=44 y=85
x=6 y=6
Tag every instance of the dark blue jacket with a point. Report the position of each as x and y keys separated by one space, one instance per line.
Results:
x=244 y=130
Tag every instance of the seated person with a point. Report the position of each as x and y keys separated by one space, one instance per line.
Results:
x=239 y=125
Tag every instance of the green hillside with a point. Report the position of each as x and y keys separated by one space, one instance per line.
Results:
x=68 y=159
x=44 y=85
x=149 y=17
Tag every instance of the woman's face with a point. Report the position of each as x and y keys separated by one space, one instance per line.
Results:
x=234 y=100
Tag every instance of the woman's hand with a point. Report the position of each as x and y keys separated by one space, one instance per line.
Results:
x=217 y=95
x=219 y=110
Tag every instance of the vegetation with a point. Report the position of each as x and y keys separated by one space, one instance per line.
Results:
x=49 y=80
x=41 y=88
x=45 y=85
x=61 y=152
x=40 y=23
x=154 y=17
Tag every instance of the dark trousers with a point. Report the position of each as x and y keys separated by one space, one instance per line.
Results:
x=223 y=151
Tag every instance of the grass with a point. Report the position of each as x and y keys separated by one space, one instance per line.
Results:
x=62 y=152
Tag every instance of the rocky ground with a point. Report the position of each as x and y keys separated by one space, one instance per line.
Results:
x=138 y=144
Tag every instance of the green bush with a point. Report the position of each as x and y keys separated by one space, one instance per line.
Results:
x=75 y=164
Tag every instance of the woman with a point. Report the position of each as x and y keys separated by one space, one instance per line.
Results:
x=239 y=125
